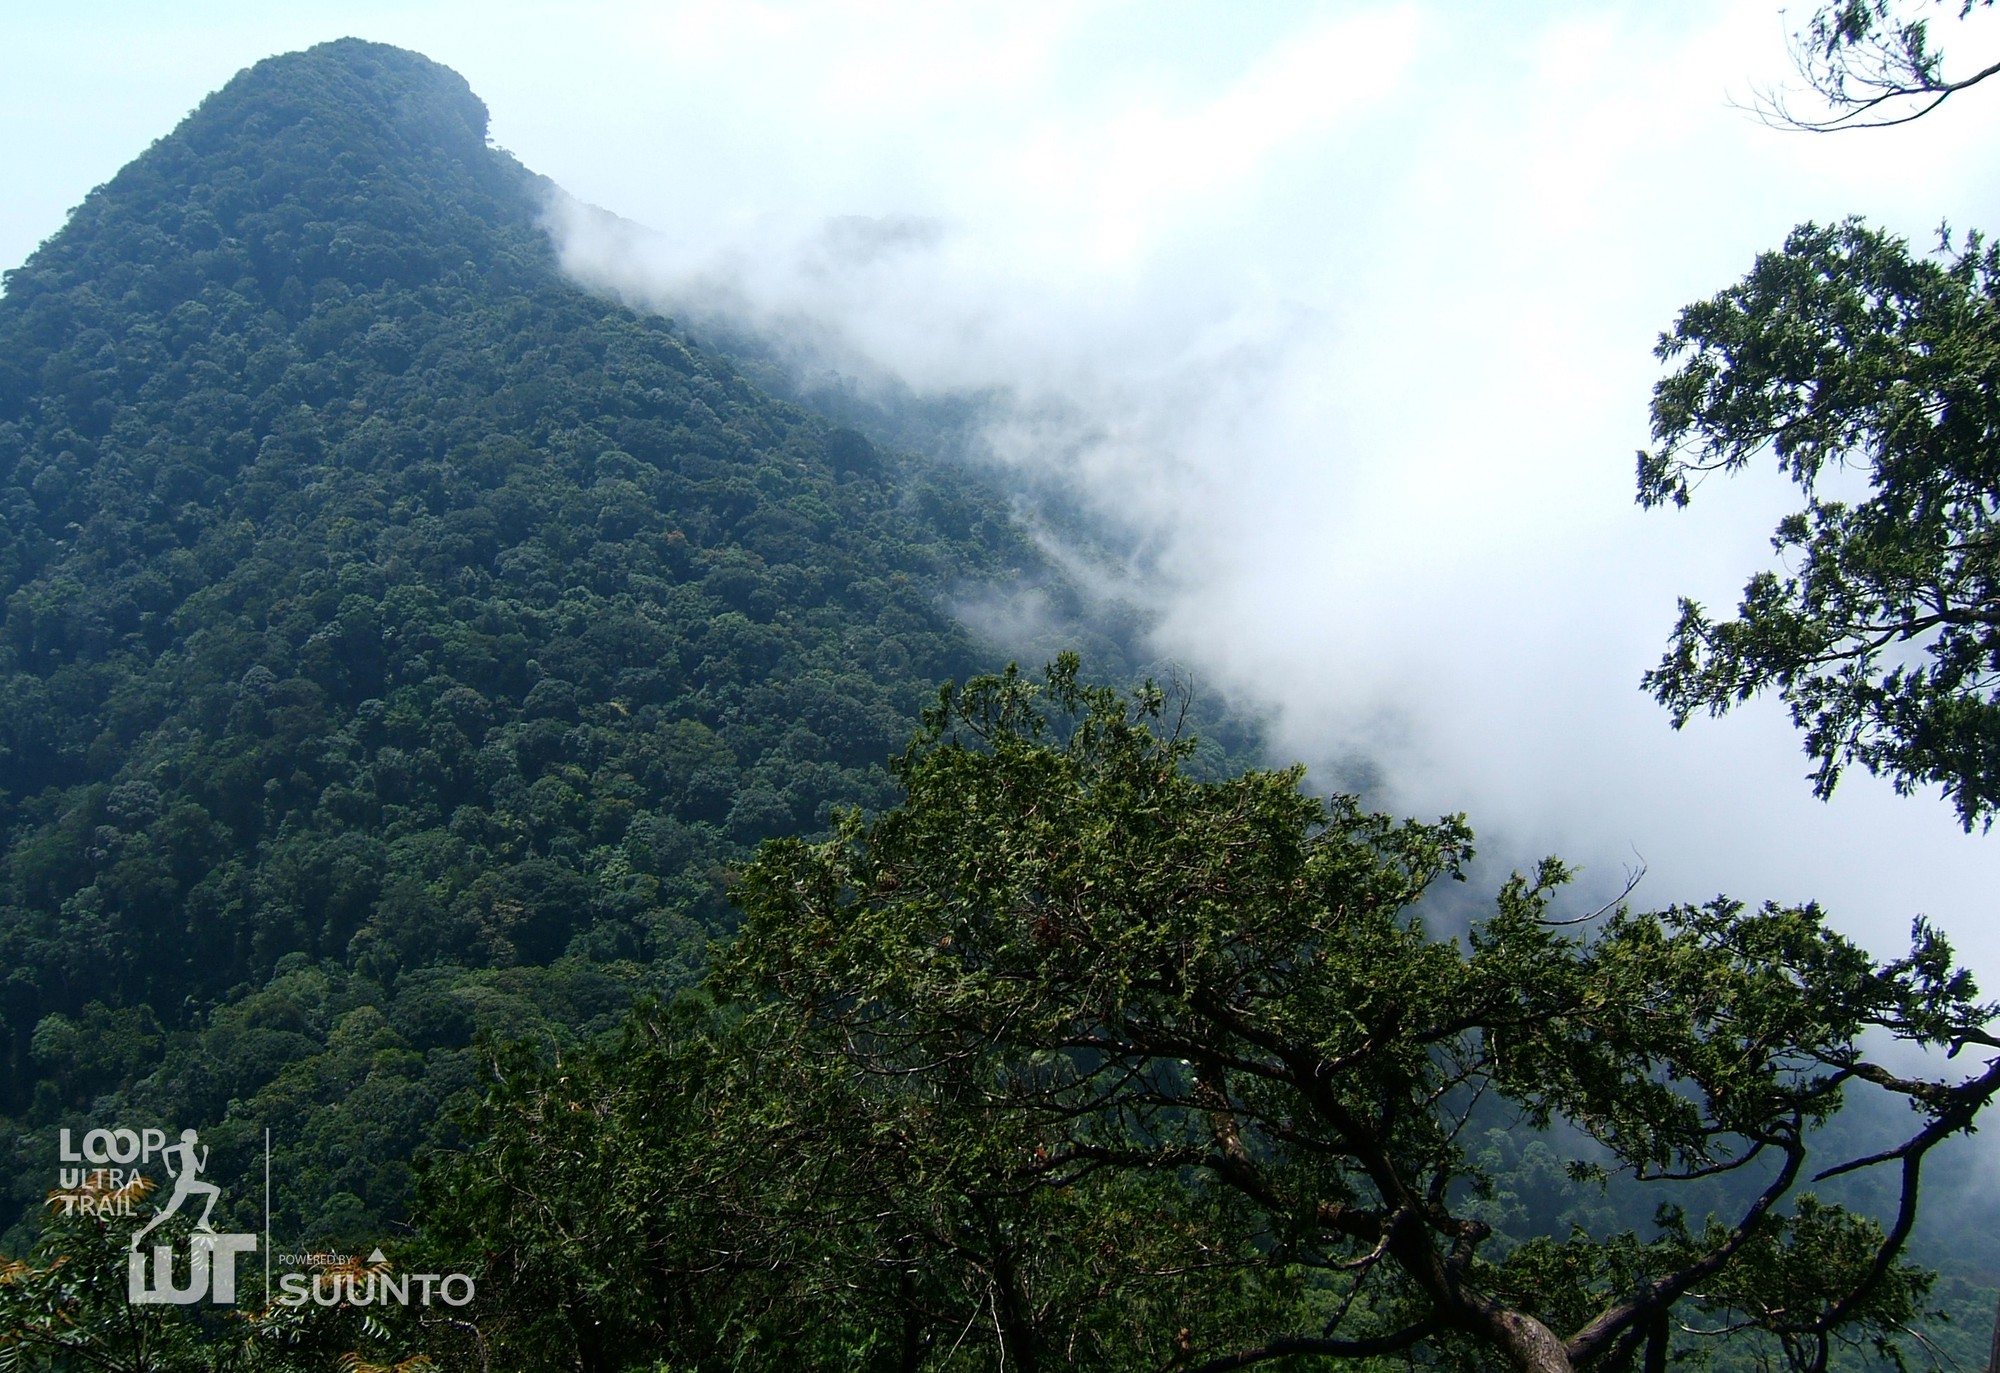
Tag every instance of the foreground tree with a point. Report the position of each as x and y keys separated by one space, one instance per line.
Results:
x=1075 y=1059
x=1848 y=357
x=721 y=1192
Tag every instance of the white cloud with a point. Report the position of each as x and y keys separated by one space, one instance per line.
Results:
x=1356 y=329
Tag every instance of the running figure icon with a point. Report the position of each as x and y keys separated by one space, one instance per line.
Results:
x=186 y=1184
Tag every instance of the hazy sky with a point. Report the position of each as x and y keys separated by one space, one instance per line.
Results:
x=1348 y=307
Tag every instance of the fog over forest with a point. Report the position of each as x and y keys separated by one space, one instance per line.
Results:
x=1344 y=318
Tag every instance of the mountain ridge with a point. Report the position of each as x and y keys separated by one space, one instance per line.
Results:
x=400 y=643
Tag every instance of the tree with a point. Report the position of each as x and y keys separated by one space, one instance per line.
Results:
x=718 y=1192
x=1844 y=353
x=1873 y=64
x=1071 y=1034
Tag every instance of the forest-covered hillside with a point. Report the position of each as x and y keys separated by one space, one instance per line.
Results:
x=399 y=641
x=408 y=661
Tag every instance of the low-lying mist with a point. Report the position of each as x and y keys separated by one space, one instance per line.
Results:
x=1344 y=343
x=1347 y=343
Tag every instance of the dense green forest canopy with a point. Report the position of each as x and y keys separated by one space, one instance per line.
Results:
x=398 y=640
x=405 y=655
x=1073 y=1058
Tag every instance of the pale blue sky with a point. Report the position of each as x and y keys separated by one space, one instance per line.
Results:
x=1349 y=308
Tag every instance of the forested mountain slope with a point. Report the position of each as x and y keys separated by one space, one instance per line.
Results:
x=398 y=640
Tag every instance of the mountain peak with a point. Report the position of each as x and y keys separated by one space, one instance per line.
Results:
x=402 y=98
x=352 y=160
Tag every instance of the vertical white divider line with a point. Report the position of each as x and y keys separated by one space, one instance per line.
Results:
x=267 y=1218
